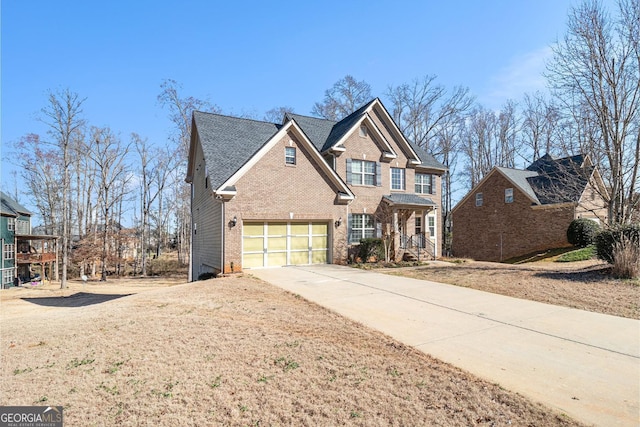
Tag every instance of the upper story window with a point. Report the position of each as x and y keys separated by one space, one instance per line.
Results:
x=363 y=172
x=363 y=131
x=479 y=199
x=508 y=195
x=397 y=179
x=9 y=251
x=290 y=155
x=11 y=224
x=424 y=183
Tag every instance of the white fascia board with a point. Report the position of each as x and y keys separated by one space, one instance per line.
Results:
x=293 y=126
x=416 y=159
x=364 y=119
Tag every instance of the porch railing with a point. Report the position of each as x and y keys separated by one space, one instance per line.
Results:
x=419 y=245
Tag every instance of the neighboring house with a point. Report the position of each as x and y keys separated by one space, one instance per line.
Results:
x=514 y=212
x=23 y=253
x=306 y=190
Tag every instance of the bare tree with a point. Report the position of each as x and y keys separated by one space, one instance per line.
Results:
x=41 y=169
x=275 y=115
x=109 y=155
x=180 y=112
x=422 y=108
x=342 y=99
x=595 y=69
x=540 y=124
x=63 y=117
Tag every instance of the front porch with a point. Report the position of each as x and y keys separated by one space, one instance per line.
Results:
x=36 y=257
x=412 y=226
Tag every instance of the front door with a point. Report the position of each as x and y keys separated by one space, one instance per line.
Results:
x=419 y=230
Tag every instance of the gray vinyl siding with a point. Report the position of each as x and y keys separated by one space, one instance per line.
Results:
x=207 y=215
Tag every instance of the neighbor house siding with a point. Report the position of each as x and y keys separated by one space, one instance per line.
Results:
x=497 y=230
x=207 y=222
x=274 y=191
x=592 y=205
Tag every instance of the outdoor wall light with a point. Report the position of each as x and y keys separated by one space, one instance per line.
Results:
x=233 y=222
x=338 y=222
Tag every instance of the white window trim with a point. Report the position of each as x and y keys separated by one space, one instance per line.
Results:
x=403 y=179
x=362 y=230
x=508 y=195
x=287 y=156
x=362 y=174
x=420 y=182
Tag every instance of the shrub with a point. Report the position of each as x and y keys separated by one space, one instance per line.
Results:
x=582 y=232
x=626 y=259
x=606 y=240
x=370 y=248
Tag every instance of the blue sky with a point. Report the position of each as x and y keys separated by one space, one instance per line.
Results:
x=249 y=57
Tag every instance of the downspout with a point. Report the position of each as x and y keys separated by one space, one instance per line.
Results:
x=222 y=228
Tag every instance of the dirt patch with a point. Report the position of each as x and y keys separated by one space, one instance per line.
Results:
x=585 y=285
x=232 y=351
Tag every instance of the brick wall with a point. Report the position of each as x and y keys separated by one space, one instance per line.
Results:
x=273 y=190
x=497 y=230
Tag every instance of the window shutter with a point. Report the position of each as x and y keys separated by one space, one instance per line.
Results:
x=378 y=230
x=433 y=184
x=349 y=176
x=378 y=174
x=349 y=222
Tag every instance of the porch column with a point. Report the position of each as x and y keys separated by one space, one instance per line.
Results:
x=396 y=235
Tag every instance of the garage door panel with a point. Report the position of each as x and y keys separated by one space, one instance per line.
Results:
x=299 y=229
x=319 y=242
x=253 y=260
x=299 y=243
x=253 y=229
x=252 y=244
x=277 y=244
x=318 y=228
x=319 y=257
x=296 y=258
x=276 y=259
x=277 y=229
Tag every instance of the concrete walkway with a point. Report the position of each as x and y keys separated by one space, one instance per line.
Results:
x=583 y=364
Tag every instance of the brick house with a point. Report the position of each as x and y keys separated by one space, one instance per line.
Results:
x=514 y=212
x=306 y=190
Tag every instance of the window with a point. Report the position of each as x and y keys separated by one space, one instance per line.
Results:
x=363 y=172
x=432 y=226
x=362 y=227
x=7 y=276
x=11 y=224
x=478 y=199
x=290 y=155
x=424 y=183
x=363 y=131
x=397 y=179
x=9 y=252
x=418 y=222
x=508 y=195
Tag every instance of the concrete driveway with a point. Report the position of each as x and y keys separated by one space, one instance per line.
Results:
x=583 y=364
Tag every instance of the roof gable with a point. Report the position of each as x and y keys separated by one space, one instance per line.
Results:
x=235 y=145
x=228 y=141
x=9 y=207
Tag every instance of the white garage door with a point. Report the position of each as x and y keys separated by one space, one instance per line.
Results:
x=271 y=244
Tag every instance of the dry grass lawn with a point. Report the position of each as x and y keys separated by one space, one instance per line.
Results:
x=231 y=351
x=585 y=285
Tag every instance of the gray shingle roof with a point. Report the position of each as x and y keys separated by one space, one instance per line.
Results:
x=520 y=178
x=428 y=161
x=317 y=130
x=229 y=142
x=559 y=180
x=10 y=207
x=409 y=199
x=549 y=180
